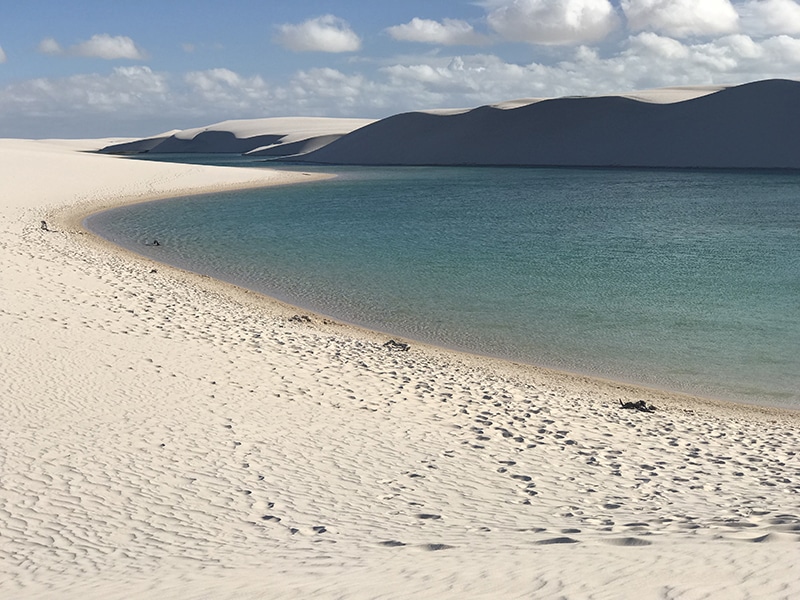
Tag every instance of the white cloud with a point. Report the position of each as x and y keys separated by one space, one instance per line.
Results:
x=651 y=60
x=100 y=45
x=225 y=90
x=322 y=34
x=770 y=17
x=326 y=91
x=647 y=60
x=135 y=98
x=656 y=47
x=552 y=22
x=681 y=18
x=784 y=50
x=466 y=81
x=108 y=47
x=450 y=32
x=2 y=55
x=50 y=46
x=135 y=89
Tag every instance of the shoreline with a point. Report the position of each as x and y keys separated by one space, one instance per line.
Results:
x=75 y=219
x=167 y=433
x=632 y=387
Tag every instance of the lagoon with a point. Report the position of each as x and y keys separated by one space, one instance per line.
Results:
x=684 y=280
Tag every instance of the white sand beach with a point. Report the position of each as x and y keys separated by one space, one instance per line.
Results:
x=168 y=436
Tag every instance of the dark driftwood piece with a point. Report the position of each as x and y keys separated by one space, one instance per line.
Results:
x=639 y=405
x=392 y=345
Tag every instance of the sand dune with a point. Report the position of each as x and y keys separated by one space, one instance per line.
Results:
x=747 y=126
x=166 y=436
x=281 y=136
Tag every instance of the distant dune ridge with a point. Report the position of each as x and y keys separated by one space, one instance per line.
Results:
x=749 y=126
x=754 y=125
x=279 y=136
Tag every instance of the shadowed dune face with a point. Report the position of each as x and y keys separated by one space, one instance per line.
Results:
x=218 y=141
x=748 y=126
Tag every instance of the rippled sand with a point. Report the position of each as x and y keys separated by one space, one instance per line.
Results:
x=165 y=435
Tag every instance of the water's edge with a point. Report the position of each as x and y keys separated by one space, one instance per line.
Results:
x=390 y=330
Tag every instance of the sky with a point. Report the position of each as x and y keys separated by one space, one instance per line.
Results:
x=102 y=68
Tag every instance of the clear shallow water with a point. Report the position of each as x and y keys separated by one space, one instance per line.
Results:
x=683 y=280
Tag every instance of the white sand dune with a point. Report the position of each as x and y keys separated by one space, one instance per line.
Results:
x=747 y=126
x=275 y=136
x=167 y=436
x=665 y=95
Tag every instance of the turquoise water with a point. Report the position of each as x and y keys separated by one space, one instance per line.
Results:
x=682 y=280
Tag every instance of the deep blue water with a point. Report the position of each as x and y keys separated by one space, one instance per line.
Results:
x=682 y=280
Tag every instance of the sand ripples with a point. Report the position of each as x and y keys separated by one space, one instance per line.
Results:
x=166 y=437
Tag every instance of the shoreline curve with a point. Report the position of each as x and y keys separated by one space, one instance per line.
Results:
x=77 y=220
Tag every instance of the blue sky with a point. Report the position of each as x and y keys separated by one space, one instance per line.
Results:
x=114 y=68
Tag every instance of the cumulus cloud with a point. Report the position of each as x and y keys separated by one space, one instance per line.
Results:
x=330 y=92
x=109 y=47
x=101 y=45
x=652 y=60
x=647 y=60
x=99 y=104
x=50 y=46
x=227 y=90
x=322 y=34
x=450 y=32
x=465 y=81
x=136 y=89
x=552 y=22
x=681 y=18
x=770 y=17
x=2 y=55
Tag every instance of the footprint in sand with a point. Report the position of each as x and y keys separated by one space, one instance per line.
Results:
x=271 y=518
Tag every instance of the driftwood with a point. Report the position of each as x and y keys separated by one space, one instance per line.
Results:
x=639 y=405
x=401 y=346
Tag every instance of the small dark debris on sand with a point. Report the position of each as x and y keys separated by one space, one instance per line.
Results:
x=300 y=319
x=639 y=405
x=435 y=547
x=401 y=346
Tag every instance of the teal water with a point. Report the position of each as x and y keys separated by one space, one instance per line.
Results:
x=682 y=280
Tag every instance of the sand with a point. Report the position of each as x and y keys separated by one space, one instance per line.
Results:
x=168 y=436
